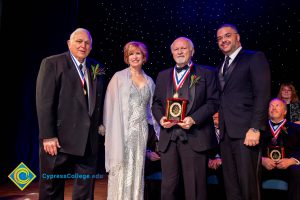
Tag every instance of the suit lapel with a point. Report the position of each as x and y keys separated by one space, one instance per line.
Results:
x=221 y=78
x=75 y=81
x=231 y=69
x=170 y=85
x=92 y=88
x=191 y=90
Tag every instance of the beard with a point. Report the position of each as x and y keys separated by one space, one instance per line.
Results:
x=181 y=60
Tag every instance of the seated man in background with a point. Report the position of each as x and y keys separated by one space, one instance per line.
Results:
x=152 y=167
x=281 y=149
x=215 y=161
x=152 y=154
x=215 y=164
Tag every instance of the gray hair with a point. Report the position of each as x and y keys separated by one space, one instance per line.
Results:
x=81 y=30
x=186 y=39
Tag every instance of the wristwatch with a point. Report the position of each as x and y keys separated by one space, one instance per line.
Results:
x=255 y=130
x=297 y=161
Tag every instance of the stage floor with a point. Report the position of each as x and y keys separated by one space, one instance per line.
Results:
x=10 y=191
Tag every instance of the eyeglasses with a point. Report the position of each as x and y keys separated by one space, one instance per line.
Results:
x=225 y=36
x=286 y=90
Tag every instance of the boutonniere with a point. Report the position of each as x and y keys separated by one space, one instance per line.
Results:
x=96 y=70
x=284 y=129
x=194 y=79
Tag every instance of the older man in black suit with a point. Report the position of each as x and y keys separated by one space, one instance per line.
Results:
x=183 y=145
x=281 y=149
x=245 y=88
x=69 y=99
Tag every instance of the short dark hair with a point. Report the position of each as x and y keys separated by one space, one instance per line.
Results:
x=229 y=25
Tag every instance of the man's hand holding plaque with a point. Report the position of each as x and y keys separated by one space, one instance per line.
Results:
x=186 y=123
x=166 y=124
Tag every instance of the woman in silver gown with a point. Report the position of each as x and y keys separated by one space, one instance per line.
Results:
x=127 y=113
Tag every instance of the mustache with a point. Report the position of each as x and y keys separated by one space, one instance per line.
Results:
x=226 y=43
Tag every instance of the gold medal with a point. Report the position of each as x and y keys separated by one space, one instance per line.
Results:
x=175 y=95
x=84 y=91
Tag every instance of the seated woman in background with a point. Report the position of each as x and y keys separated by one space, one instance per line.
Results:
x=288 y=93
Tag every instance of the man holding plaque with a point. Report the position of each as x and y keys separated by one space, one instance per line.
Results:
x=281 y=148
x=184 y=101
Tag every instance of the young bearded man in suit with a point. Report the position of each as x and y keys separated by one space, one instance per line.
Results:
x=183 y=145
x=281 y=149
x=69 y=99
x=245 y=88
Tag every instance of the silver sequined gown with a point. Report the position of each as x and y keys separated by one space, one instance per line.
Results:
x=130 y=184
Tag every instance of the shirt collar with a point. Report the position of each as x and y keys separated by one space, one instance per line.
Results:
x=234 y=54
x=76 y=62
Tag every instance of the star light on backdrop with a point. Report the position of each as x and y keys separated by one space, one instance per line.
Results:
x=269 y=26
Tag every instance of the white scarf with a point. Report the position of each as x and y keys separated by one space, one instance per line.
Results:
x=115 y=117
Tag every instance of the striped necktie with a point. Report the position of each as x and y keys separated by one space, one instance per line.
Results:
x=226 y=65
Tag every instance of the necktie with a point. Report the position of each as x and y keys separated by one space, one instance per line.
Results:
x=80 y=67
x=179 y=69
x=83 y=70
x=85 y=80
x=275 y=124
x=226 y=65
x=217 y=131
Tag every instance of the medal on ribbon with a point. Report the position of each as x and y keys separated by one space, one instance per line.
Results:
x=179 y=82
x=176 y=107
x=276 y=130
x=276 y=152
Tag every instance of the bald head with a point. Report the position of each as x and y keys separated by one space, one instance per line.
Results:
x=277 y=110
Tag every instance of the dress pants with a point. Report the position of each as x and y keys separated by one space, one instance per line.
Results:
x=180 y=162
x=65 y=164
x=241 y=169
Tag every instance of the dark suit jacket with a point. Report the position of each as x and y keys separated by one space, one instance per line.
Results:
x=61 y=105
x=203 y=103
x=290 y=139
x=245 y=94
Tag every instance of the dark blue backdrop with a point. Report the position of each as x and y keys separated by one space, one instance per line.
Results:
x=35 y=29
